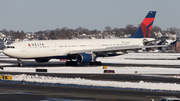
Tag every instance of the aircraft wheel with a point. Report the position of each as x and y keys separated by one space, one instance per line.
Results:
x=74 y=63
x=20 y=64
x=99 y=63
x=92 y=63
x=96 y=63
x=71 y=63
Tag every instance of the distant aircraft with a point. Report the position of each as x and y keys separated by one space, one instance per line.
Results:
x=83 y=51
x=4 y=42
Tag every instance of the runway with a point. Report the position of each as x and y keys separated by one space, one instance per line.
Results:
x=40 y=93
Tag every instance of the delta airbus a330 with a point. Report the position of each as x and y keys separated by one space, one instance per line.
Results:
x=82 y=51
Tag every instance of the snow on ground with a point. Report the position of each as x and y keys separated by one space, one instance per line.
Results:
x=97 y=70
x=80 y=81
x=144 y=58
x=151 y=55
x=123 y=59
x=129 y=61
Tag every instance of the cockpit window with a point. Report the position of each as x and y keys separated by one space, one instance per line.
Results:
x=10 y=47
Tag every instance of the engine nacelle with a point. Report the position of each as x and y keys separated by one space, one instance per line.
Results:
x=84 y=58
x=42 y=60
x=149 y=43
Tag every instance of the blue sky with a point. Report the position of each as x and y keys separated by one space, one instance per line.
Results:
x=36 y=15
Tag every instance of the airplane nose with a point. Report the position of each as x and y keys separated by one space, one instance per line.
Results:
x=12 y=53
x=5 y=51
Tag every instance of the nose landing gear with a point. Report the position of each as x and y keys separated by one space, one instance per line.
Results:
x=19 y=62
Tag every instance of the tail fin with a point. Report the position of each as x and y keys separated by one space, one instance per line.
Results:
x=145 y=27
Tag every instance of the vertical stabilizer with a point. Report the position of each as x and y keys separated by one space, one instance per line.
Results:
x=145 y=27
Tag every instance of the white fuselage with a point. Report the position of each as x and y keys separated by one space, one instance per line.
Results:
x=50 y=48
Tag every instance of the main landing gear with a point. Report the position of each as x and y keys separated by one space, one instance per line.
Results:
x=71 y=63
x=96 y=63
x=19 y=62
x=74 y=63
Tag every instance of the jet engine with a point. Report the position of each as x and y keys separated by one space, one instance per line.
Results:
x=149 y=43
x=162 y=42
x=42 y=60
x=84 y=58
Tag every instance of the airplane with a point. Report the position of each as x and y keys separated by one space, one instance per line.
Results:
x=4 y=42
x=83 y=51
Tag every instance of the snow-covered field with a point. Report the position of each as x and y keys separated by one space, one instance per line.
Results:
x=124 y=59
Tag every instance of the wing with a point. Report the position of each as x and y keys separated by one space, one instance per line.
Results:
x=115 y=49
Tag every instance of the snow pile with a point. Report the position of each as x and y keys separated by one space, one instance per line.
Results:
x=80 y=82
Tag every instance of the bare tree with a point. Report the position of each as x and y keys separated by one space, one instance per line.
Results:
x=154 y=29
x=52 y=35
x=116 y=32
x=107 y=28
x=17 y=34
x=172 y=30
x=4 y=31
x=130 y=29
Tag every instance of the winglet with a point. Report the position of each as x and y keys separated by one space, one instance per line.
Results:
x=145 y=27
